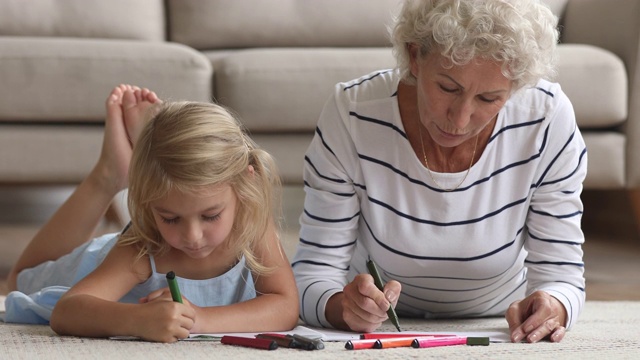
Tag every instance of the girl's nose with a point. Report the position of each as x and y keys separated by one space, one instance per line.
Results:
x=192 y=232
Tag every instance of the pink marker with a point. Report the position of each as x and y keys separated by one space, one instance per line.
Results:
x=446 y=341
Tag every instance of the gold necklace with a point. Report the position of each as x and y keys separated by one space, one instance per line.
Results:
x=426 y=162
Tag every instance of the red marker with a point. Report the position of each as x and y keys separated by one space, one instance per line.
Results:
x=249 y=342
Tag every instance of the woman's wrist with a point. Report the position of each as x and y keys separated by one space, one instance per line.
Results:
x=334 y=313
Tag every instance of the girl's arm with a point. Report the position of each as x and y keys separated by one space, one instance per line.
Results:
x=274 y=309
x=91 y=307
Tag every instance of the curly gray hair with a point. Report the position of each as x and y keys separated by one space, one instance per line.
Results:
x=520 y=34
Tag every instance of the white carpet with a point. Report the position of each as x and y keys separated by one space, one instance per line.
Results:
x=606 y=330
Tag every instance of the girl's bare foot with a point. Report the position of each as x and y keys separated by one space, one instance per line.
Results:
x=137 y=106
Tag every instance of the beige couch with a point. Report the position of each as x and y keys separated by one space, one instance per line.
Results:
x=273 y=62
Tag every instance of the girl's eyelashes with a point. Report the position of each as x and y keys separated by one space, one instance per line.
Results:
x=169 y=220
x=211 y=218
x=174 y=220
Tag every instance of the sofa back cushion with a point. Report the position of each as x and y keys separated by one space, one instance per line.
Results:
x=112 y=19
x=556 y=6
x=221 y=24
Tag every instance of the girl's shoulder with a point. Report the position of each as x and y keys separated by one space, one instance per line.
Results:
x=128 y=257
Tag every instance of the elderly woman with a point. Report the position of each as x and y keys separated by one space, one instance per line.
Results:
x=459 y=173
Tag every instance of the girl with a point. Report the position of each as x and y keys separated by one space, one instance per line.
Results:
x=201 y=199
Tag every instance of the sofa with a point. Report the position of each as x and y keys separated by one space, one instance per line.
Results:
x=274 y=63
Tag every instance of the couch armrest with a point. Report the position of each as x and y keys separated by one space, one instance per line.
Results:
x=613 y=25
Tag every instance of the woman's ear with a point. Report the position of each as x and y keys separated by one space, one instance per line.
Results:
x=414 y=54
x=251 y=170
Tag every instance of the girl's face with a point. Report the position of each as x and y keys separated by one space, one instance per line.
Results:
x=456 y=103
x=196 y=223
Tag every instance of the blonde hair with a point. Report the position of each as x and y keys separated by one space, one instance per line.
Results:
x=520 y=34
x=188 y=145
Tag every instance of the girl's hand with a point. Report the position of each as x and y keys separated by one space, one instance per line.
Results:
x=364 y=307
x=536 y=317
x=164 y=320
x=161 y=294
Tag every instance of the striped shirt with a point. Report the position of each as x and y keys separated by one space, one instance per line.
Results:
x=512 y=227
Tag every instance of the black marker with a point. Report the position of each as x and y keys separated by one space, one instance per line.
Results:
x=373 y=270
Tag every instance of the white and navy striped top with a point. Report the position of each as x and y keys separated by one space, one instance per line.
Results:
x=513 y=227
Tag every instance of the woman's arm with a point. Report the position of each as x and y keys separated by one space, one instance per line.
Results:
x=330 y=218
x=555 y=276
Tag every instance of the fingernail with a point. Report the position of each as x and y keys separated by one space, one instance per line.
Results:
x=391 y=296
x=533 y=337
x=516 y=338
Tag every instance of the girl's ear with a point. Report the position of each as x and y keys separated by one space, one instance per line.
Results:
x=251 y=170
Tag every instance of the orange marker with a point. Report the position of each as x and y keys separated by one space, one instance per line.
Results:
x=360 y=344
x=393 y=342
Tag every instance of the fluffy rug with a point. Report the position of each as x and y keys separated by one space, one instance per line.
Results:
x=606 y=330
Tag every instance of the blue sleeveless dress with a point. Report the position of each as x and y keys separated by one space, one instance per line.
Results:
x=40 y=287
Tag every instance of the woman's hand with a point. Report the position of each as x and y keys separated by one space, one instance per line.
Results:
x=536 y=317
x=361 y=306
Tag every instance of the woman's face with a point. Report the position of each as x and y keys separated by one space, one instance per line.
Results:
x=196 y=224
x=455 y=104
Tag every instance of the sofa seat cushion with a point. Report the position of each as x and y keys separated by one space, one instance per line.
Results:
x=276 y=90
x=607 y=162
x=48 y=154
x=595 y=80
x=288 y=150
x=68 y=79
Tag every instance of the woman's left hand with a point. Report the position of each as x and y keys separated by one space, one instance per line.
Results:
x=536 y=317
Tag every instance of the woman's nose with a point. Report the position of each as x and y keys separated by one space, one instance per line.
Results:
x=460 y=113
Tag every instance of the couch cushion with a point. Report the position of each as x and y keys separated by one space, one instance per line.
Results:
x=64 y=79
x=595 y=80
x=276 y=90
x=48 y=154
x=607 y=160
x=556 y=6
x=288 y=151
x=217 y=24
x=117 y=19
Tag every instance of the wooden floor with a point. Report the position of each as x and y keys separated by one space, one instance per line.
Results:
x=612 y=246
x=611 y=250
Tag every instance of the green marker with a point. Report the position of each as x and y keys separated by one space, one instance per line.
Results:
x=373 y=270
x=173 y=287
